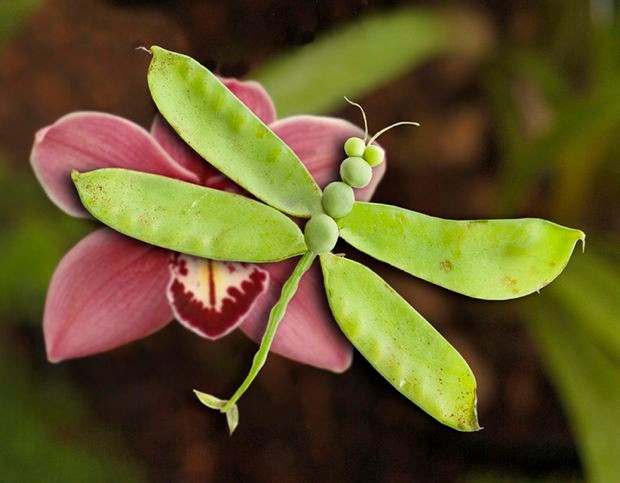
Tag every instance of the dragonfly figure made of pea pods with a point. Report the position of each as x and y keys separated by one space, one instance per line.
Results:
x=486 y=259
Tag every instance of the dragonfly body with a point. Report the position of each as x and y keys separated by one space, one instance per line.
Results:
x=495 y=259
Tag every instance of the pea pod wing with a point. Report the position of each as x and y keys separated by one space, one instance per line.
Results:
x=188 y=218
x=226 y=133
x=400 y=343
x=486 y=259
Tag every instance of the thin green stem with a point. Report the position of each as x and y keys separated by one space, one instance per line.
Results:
x=401 y=123
x=275 y=317
x=363 y=116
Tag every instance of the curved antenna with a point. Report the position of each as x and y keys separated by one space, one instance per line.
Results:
x=144 y=49
x=410 y=123
x=363 y=115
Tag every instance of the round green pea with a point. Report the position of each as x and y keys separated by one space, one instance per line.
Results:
x=354 y=147
x=355 y=172
x=374 y=155
x=338 y=199
x=321 y=234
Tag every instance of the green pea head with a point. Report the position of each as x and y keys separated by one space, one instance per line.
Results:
x=338 y=199
x=374 y=155
x=321 y=234
x=354 y=147
x=355 y=172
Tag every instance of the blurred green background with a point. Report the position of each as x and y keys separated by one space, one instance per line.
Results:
x=519 y=103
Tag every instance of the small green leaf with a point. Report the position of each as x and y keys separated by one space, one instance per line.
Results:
x=214 y=122
x=486 y=259
x=232 y=418
x=400 y=343
x=188 y=218
x=212 y=402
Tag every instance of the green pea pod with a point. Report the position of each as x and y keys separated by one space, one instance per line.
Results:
x=486 y=259
x=188 y=218
x=225 y=132
x=400 y=343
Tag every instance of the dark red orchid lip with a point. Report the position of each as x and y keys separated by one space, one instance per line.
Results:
x=213 y=298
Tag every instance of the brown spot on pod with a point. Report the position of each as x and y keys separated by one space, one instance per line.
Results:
x=446 y=266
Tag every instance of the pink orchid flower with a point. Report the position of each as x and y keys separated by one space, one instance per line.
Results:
x=110 y=289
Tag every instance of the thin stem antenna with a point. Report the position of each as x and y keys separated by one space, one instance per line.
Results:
x=401 y=123
x=363 y=115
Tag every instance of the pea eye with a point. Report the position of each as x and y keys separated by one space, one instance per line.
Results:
x=355 y=172
x=374 y=155
x=321 y=234
x=354 y=147
x=338 y=199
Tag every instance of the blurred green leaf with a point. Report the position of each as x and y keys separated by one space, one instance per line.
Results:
x=12 y=14
x=586 y=376
x=506 y=121
x=364 y=56
x=576 y=321
x=32 y=241
x=590 y=291
x=501 y=78
x=48 y=434
x=574 y=146
x=566 y=29
x=608 y=247
x=577 y=139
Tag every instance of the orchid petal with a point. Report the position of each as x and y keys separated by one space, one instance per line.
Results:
x=253 y=95
x=319 y=143
x=212 y=298
x=183 y=154
x=307 y=333
x=89 y=140
x=107 y=291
